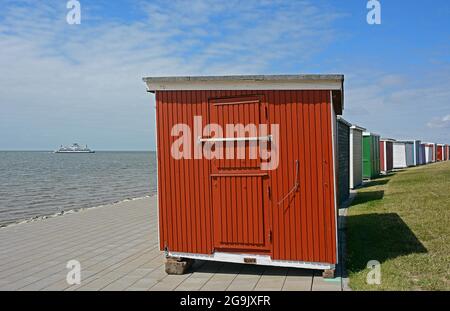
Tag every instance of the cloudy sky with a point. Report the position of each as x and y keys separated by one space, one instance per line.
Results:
x=62 y=83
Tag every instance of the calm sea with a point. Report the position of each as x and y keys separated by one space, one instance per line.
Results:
x=43 y=183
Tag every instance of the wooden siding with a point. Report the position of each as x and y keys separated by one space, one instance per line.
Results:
x=371 y=156
x=301 y=227
x=343 y=161
x=355 y=158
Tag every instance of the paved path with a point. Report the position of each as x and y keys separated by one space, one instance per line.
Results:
x=118 y=250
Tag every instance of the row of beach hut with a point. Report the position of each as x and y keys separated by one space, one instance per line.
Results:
x=280 y=209
x=368 y=155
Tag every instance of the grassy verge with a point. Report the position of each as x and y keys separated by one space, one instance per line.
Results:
x=402 y=221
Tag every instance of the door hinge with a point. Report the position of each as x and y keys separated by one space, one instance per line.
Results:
x=269 y=193
x=266 y=111
x=270 y=235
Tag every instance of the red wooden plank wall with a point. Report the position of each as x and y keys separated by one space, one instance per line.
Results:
x=303 y=226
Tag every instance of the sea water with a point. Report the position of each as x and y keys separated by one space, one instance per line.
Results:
x=44 y=183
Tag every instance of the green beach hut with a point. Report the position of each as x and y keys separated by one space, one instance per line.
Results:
x=371 y=155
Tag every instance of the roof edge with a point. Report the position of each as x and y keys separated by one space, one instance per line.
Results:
x=304 y=77
x=305 y=81
x=341 y=119
x=387 y=139
x=371 y=134
x=357 y=127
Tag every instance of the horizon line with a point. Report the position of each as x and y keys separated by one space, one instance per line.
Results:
x=97 y=150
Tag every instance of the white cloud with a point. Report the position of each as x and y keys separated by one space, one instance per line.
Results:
x=63 y=82
x=398 y=106
x=392 y=80
x=442 y=122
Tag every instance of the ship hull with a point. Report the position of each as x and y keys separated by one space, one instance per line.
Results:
x=74 y=152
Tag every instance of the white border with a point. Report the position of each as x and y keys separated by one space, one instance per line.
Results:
x=385 y=157
x=352 y=158
x=157 y=173
x=354 y=128
x=334 y=136
x=264 y=260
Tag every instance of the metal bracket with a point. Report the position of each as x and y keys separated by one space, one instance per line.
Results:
x=237 y=139
x=166 y=250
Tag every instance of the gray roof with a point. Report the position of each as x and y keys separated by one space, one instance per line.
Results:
x=303 y=77
x=341 y=119
x=333 y=82
x=371 y=134
x=357 y=127
x=247 y=82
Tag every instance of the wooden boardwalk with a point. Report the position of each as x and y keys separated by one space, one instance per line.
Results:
x=117 y=247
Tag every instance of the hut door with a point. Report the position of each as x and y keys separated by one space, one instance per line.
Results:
x=240 y=199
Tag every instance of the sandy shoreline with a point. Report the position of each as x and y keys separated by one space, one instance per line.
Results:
x=68 y=212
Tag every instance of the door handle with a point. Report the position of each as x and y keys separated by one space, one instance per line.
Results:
x=232 y=139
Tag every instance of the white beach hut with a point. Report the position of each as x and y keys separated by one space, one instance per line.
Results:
x=403 y=154
x=356 y=161
x=416 y=153
x=409 y=153
x=428 y=153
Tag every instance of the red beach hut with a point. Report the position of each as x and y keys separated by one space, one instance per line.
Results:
x=276 y=208
x=386 y=155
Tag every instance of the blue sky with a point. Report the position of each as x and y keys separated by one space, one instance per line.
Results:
x=63 y=83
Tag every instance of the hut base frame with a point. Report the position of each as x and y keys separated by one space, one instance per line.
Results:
x=264 y=260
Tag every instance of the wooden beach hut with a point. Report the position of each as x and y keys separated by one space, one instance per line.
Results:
x=343 y=132
x=356 y=156
x=440 y=156
x=403 y=154
x=386 y=155
x=414 y=156
x=428 y=152
x=218 y=200
x=371 y=155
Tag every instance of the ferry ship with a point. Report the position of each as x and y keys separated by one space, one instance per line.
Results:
x=75 y=148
